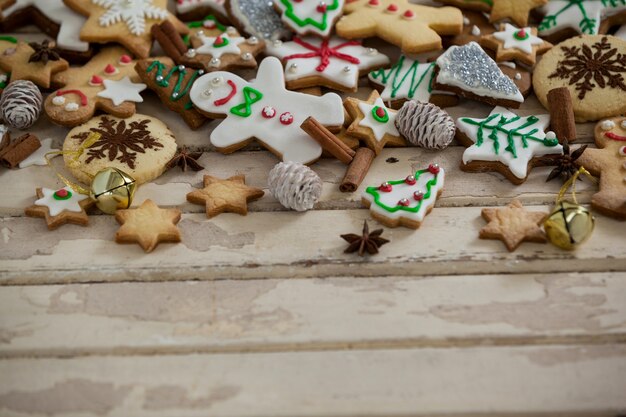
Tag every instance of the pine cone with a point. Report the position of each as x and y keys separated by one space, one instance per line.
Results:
x=294 y=185
x=20 y=104
x=425 y=125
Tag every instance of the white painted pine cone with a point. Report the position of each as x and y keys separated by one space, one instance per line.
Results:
x=425 y=125
x=295 y=186
x=20 y=104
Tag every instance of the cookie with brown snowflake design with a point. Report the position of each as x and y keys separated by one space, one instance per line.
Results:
x=140 y=145
x=593 y=68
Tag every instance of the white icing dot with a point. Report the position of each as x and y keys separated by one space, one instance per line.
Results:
x=372 y=51
x=518 y=76
x=3 y=78
x=277 y=43
x=216 y=81
x=293 y=68
x=466 y=21
x=215 y=62
x=347 y=69
x=550 y=135
x=246 y=56
x=71 y=107
x=623 y=124
x=58 y=101
x=253 y=40
x=607 y=125
x=231 y=30
x=191 y=53
x=475 y=30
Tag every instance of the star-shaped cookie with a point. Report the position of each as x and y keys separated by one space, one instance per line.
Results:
x=16 y=61
x=520 y=44
x=123 y=21
x=60 y=206
x=231 y=195
x=516 y=10
x=148 y=225
x=513 y=225
x=122 y=90
x=373 y=122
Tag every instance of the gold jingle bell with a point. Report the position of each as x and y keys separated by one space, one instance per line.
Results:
x=569 y=225
x=112 y=189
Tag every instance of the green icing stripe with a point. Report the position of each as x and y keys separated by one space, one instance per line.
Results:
x=200 y=24
x=8 y=39
x=176 y=93
x=309 y=21
x=375 y=192
x=398 y=79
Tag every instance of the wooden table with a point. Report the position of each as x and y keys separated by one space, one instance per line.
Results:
x=264 y=315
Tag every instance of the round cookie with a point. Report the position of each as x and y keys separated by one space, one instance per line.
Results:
x=593 y=68
x=140 y=146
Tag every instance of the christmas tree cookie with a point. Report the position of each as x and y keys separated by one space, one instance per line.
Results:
x=407 y=79
x=408 y=201
x=506 y=143
x=310 y=17
x=335 y=63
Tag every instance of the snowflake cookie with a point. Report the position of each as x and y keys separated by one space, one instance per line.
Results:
x=335 y=63
x=506 y=143
x=405 y=202
x=593 y=68
x=264 y=109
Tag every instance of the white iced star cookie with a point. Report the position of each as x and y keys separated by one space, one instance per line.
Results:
x=518 y=38
x=520 y=44
x=122 y=90
x=378 y=118
x=506 y=142
x=216 y=46
x=58 y=201
x=335 y=63
x=264 y=109
x=38 y=157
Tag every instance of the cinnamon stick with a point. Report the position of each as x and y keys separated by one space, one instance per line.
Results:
x=562 y=120
x=169 y=39
x=357 y=170
x=18 y=150
x=329 y=142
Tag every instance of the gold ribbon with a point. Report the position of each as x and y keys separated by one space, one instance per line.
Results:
x=572 y=183
x=88 y=142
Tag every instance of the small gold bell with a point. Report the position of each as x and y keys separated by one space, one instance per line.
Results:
x=569 y=225
x=112 y=189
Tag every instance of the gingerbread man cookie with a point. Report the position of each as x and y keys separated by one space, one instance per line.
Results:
x=264 y=109
x=609 y=162
x=414 y=28
x=123 y=21
x=108 y=83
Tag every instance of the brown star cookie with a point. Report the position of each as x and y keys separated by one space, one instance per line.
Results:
x=516 y=10
x=60 y=206
x=231 y=195
x=513 y=225
x=127 y=23
x=519 y=44
x=148 y=225
x=373 y=122
x=79 y=99
x=25 y=63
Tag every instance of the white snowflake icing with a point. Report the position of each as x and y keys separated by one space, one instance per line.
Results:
x=131 y=12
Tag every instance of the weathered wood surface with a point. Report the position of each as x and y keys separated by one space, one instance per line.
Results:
x=580 y=380
x=311 y=314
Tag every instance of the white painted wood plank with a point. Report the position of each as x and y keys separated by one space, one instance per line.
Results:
x=495 y=381
x=288 y=244
x=311 y=314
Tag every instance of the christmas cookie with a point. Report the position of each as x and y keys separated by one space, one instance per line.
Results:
x=373 y=122
x=221 y=52
x=515 y=10
x=148 y=225
x=414 y=28
x=264 y=109
x=519 y=44
x=257 y=18
x=6 y=42
x=197 y=9
x=123 y=21
x=480 y=5
x=172 y=84
x=566 y=18
x=407 y=79
x=593 y=68
x=52 y=17
x=506 y=143
x=334 y=63
x=469 y=72
x=520 y=75
x=35 y=62
x=310 y=17
x=60 y=206
x=513 y=225
x=140 y=146
x=609 y=163
x=408 y=201
x=231 y=195
x=108 y=83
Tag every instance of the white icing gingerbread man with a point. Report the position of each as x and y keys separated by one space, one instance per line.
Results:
x=266 y=110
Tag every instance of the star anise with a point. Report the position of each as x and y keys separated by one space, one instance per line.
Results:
x=367 y=241
x=566 y=163
x=44 y=52
x=185 y=159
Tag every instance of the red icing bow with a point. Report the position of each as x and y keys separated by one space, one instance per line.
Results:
x=324 y=52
